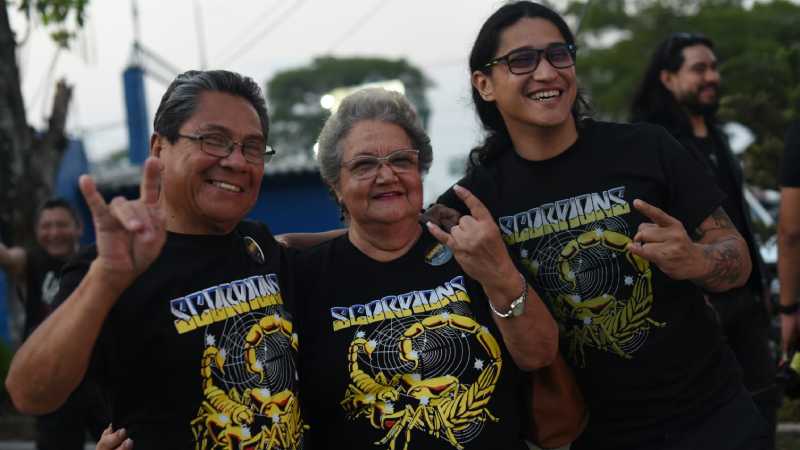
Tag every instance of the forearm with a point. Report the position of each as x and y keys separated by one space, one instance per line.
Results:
x=531 y=338
x=789 y=265
x=54 y=359
x=307 y=240
x=725 y=264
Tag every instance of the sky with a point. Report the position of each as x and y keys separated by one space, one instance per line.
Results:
x=257 y=38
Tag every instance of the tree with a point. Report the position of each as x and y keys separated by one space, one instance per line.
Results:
x=294 y=95
x=758 y=49
x=28 y=159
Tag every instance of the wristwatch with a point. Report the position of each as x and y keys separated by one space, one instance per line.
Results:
x=517 y=306
x=788 y=310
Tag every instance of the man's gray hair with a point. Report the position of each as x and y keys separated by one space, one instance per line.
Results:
x=369 y=104
x=180 y=101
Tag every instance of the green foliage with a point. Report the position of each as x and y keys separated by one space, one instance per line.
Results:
x=56 y=13
x=758 y=50
x=294 y=95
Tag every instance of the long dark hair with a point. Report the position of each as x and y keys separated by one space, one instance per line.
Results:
x=652 y=102
x=497 y=138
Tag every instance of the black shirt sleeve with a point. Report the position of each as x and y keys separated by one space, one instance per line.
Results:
x=479 y=182
x=693 y=194
x=790 y=166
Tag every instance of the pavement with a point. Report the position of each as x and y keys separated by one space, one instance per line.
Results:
x=28 y=445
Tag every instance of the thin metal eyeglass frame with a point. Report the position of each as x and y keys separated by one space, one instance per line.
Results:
x=267 y=155
x=381 y=160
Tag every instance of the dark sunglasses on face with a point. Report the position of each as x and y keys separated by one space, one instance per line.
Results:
x=526 y=60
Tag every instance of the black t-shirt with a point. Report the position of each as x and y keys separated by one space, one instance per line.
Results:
x=790 y=166
x=646 y=349
x=200 y=351
x=403 y=353
x=42 y=278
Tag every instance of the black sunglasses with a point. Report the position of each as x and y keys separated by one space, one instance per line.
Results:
x=526 y=60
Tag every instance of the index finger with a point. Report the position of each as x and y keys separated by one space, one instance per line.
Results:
x=657 y=215
x=476 y=207
x=96 y=203
x=151 y=181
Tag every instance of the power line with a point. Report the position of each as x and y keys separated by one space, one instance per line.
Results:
x=201 y=35
x=249 y=28
x=270 y=27
x=357 y=25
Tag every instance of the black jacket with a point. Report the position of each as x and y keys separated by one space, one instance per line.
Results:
x=681 y=130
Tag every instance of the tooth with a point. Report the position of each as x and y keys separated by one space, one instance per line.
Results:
x=227 y=186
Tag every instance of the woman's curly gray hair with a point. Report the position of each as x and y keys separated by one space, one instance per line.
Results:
x=369 y=104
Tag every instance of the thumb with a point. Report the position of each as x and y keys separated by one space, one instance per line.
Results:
x=642 y=251
x=440 y=235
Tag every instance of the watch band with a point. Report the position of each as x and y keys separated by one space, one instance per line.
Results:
x=788 y=309
x=517 y=306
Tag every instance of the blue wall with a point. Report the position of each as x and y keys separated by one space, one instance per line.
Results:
x=298 y=203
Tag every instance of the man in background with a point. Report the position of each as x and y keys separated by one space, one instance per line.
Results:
x=680 y=91
x=789 y=240
x=37 y=272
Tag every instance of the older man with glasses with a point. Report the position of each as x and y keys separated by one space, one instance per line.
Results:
x=179 y=312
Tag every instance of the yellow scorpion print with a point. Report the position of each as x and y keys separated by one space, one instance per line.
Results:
x=226 y=420
x=444 y=405
x=267 y=325
x=604 y=322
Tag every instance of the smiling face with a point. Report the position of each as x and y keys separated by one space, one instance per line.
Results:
x=205 y=194
x=389 y=197
x=58 y=232
x=540 y=99
x=696 y=84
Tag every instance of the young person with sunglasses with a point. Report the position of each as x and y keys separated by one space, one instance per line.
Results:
x=619 y=231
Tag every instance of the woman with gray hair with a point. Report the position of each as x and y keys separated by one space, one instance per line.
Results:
x=406 y=341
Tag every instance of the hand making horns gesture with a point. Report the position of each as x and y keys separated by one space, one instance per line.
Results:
x=129 y=233
x=665 y=243
x=476 y=243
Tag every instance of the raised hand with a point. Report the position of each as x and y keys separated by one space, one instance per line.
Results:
x=440 y=215
x=114 y=440
x=129 y=233
x=665 y=243
x=476 y=243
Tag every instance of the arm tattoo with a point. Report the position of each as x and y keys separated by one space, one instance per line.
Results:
x=725 y=257
x=719 y=221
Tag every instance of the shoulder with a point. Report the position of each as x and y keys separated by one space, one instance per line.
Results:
x=248 y=227
x=623 y=131
x=793 y=137
x=313 y=258
x=84 y=257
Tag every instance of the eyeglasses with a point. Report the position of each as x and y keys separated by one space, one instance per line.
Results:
x=255 y=151
x=367 y=166
x=526 y=60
